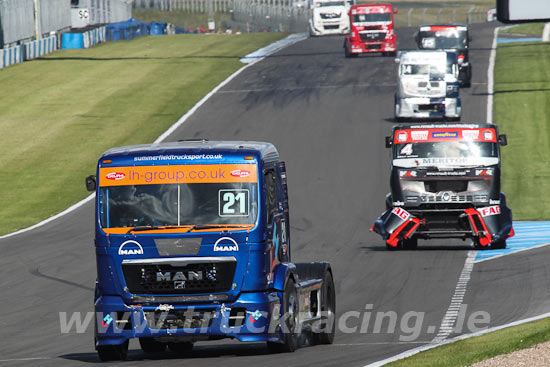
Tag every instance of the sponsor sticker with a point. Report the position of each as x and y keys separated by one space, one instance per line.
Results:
x=254 y=316
x=419 y=135
x=226 y=244
x=488 y=134
x=240 y=173
x=106 y=321
x=402 y=136
x=401 y=213
x=484 y=172
x=489 y=210
x=444 y=134
x=470 y=134
x=130 y=247
x=115 y=176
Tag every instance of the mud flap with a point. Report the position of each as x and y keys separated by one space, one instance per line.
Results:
x=396 y=224
x=491 y=224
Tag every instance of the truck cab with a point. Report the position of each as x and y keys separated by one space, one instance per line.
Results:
x=192 y=243
x=449 y=37
x=372 y=30
x=445 y=183
x=329 y=17
x=427 y=86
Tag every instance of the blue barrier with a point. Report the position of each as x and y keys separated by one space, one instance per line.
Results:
x=158 y=29
x=72 y=41
x=126 y=30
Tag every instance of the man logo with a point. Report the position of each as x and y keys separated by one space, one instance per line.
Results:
x=130 y=247
x=228 y=245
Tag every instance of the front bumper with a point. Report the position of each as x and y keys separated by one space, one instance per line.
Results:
x=486 y=225
x=252 y=317
x=418 y=107
x=387 y=45
x=328 y=28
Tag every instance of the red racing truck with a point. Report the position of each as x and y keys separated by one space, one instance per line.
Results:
x=371 y=30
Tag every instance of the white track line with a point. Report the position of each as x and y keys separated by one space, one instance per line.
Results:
x=447 y=324
x=511 y=253
x=491 y=78
x=423 y=348
x=291 y=39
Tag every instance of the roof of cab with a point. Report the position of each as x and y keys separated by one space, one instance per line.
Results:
x=267 y=151
x=446 y=25
x=446 y=126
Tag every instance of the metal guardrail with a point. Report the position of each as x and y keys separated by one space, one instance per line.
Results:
x=191 y=6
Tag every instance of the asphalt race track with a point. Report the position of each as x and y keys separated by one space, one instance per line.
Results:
x=328 y=117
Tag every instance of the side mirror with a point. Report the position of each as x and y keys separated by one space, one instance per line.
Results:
x=502 y=140
x=91 y=183
x=389 y=143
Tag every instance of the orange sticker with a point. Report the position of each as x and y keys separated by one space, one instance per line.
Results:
x=154 y=175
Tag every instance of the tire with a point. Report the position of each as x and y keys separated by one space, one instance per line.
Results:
x=181 y=348
x=113 y=352
x=410 y=244
x=346 y=52
x=478 y=245
x=328 y=307
x=290 y=303
x=499 y=245
x=150 y=345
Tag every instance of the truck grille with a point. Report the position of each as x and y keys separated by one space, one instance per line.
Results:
x=372 y=36
x=329 y=15
x=451 y=185
x=179 y=319
x=184 y=279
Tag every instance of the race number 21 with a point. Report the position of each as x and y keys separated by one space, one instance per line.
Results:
x=234 y=203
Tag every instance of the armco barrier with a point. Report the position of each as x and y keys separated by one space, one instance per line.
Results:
x=10 y=56
x=40 y=47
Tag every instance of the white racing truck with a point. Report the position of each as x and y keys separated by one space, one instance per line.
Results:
x=330 y=17
x=427 y=86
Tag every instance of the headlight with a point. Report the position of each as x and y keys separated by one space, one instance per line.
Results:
x=414 y=186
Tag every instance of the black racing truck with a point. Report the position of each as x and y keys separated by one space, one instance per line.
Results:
x=448 y=37
x=445 y=183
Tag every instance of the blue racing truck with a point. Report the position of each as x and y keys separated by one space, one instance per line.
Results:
x=192 y=243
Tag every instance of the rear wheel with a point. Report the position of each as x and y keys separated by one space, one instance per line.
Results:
x=325 y=334
x=392 y=248
x=150 y=345
x=289 y=321
x=499 y=245
x=113 y=352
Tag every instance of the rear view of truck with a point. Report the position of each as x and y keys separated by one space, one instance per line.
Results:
x=329 y=17
x=193 y=243
x=371 y=30
x=427 y=86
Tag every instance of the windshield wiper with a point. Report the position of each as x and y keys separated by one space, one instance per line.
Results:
x=210 y=226
x=149 y=228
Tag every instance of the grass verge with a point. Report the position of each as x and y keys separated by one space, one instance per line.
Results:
x=522 y=111
x=468 y=351
x=534 y=29
x=60 y=112
x=182 y=18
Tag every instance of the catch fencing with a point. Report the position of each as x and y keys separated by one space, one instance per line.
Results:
x=289 y=16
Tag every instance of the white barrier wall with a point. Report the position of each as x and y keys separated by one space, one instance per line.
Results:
x=10 y=56
x=93 y=37
x=40 y=47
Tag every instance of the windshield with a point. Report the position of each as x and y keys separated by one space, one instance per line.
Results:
x=205 y=195
x=329 y=3
x=447 y=39
x=372 y=17
x=423 y=69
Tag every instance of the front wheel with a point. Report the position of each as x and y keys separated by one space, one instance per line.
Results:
x=289 y=321
x=113 y=352
x=410 y=244
x=499 y=245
